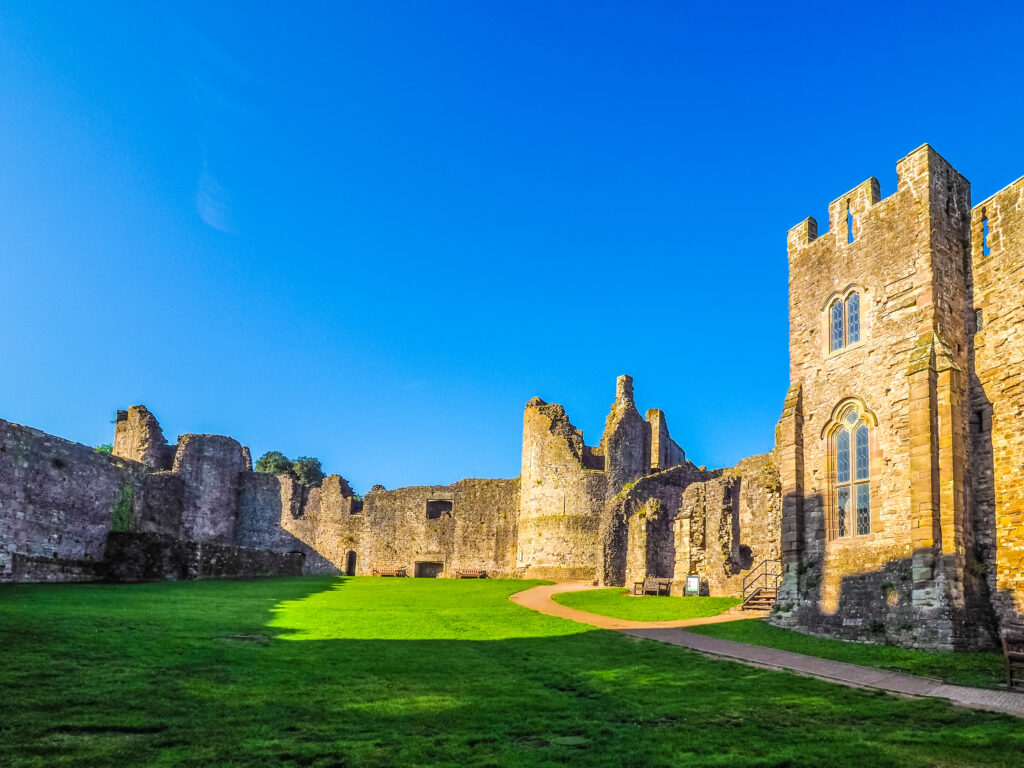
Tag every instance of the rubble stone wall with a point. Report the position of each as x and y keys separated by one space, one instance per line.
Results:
x=478 y=533
x=996 y=420
x=728 y=525
x=57 y=504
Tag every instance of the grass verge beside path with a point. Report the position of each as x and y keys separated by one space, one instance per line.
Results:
x=981 y=670
x=358 y=672
x=617 y=603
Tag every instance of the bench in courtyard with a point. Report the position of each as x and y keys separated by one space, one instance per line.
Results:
x=659 y=587
x=1013 y=652
x=389 y=572
x=471 y=573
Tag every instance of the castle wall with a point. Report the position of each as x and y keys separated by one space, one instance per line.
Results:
x=997 y=398
x=275 y=513
x=138 y=437
x=478 y=532
x=906 y=376
x=209 y=467
x=57 y=503
x=727 y=525
x=562 y=500
x=665 y=452
x=648 y=510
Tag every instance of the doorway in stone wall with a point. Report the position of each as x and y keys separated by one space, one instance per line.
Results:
x=428 y=570
x=350 y=563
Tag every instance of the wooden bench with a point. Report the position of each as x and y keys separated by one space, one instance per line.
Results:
x=1013 y=652
x=471 y=573
x=660 y=587
x=389 y=572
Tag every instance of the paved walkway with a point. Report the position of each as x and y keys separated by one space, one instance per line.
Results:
x=853 y=675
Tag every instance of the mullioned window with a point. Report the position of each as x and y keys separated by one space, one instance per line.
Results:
x=844 y=322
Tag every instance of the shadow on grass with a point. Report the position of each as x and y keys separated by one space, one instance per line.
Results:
x=377 y=673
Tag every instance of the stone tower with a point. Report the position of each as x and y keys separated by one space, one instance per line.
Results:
x=873 y=445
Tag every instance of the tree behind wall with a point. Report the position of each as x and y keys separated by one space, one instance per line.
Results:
x=306 y=470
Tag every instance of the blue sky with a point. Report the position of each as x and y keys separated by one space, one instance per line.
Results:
x=370 y=232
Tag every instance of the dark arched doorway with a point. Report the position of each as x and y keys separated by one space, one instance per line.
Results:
x=350 y=563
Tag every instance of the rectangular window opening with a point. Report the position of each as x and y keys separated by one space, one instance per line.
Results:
x=985 y=250
x=849 y=224
x=979 y=320
x=428 y=570
x=438 y=508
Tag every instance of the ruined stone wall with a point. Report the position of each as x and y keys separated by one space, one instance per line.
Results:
x=57 y=504
x=647 y=509
x=209 y=467
x=665 y=452
x=562 y=499
x=626 y=442
x=133 y=557
x=275 y=513
x=906 y=378
x=479 y=532
x=727 y=525
x=138 y=436
x=997 y=398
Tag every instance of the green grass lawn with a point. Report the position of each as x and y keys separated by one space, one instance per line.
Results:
x=985 y=670
x=619 y=604
x=325 y=671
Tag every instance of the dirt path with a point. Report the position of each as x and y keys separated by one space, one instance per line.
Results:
x=539 y=599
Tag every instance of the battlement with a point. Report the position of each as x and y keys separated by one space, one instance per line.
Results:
x=917 y=173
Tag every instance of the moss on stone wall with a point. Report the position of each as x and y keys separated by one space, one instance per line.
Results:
x=123 y=518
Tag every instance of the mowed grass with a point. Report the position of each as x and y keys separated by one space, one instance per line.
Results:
x=983 y=670
x=620 y=604
x=326 y=671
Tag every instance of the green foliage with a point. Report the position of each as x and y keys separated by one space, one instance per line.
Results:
x=977 y=669
x=274 y=463
x=104 y=448
x=362 y=672
x=620 y=604
x=123 y=518
x=305 y=470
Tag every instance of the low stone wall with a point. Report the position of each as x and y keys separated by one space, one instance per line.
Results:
x=154 y=556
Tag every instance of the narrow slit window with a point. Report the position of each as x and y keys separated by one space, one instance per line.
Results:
x=837 y=325
x=853 y=318
x=985 y=250
x=849 y=224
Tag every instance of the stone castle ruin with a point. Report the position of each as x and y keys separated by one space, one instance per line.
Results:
x=197 y=509
x=891 y=507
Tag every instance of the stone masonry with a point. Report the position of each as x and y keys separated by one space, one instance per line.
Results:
x=892 y=504
x=196 y=509
x=934 y=377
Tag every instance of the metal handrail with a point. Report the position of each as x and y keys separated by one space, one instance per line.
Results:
x=761 y=576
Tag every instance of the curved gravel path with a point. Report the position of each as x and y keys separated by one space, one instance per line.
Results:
x=539 y=599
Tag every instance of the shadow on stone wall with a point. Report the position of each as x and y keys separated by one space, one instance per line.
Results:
x=869 y=594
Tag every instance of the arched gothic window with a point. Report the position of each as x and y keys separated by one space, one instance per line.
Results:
x=844 y=322
x=850 y=438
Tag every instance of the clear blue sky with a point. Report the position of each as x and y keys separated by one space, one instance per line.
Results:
x=370 y=232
